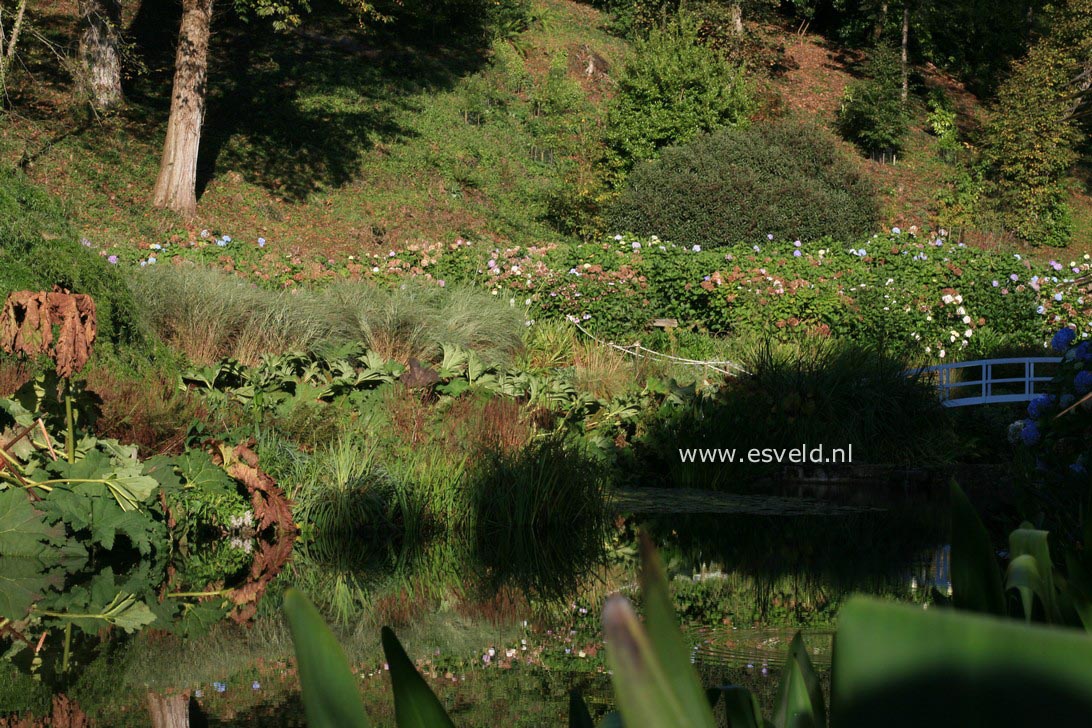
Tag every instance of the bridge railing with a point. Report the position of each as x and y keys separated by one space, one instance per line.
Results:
x=966 y=383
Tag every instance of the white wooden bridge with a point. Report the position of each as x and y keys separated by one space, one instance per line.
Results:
x=990 y=381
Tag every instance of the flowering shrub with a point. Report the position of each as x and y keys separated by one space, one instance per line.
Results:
x=931 y=295
x=925 y=294
x=1058 y=429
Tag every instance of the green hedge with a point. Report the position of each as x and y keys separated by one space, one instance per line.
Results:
x=784 y=179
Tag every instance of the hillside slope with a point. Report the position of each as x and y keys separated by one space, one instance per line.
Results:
x=333 y=141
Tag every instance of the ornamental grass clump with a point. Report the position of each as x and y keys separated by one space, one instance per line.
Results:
x=211 y=315
x=414 y=321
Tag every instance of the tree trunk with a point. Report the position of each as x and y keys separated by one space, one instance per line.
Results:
x=905 y=51
x=169 y=711
x=881 y=22
x=7 y=48
x=176 y=187
x=98 y=51
x=735 y=14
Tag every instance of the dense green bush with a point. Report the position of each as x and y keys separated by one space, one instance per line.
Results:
x=670 y=91
x=39 y=249
x=783 y=179
x=1032 y=138
x=873 y=115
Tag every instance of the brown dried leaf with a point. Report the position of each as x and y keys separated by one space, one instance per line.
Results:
x=28 y=319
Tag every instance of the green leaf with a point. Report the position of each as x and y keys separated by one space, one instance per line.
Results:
x=1029 y=543
x=741 y=707
x=24 y=581
x=654 y=682
x=976 y=578
x=129 y=613
x=415 y=705
x=799 y=697
x=1079 y=583
x=12 y=412
x=23 y=529
x=330 y=695
x=107 y=520
x=891 y=660
x=199 y=471
x=579 y=716
x=1023 y=576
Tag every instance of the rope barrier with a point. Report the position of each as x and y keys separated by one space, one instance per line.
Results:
x=636 y=348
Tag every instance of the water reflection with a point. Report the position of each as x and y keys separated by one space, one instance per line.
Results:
x=499 y=640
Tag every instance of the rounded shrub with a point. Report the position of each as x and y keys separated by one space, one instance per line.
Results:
x=39 y=249
x=784 y=179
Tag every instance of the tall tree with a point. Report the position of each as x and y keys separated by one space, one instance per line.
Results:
x=905 y=51
x=176 y=185
x=1034 y=132
x=99 y=50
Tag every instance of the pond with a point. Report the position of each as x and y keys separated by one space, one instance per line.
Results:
x=498 y=642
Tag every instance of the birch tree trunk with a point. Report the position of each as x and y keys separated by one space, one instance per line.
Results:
x=176 y=187
x=98 y=50
x=905 y=51
x=7 y=47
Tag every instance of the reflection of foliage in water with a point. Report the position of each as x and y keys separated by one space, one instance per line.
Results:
x=789 y=570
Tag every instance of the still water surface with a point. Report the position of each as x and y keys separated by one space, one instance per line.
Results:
x=499 y=642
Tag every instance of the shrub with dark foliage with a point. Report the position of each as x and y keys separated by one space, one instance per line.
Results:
x=784 y=179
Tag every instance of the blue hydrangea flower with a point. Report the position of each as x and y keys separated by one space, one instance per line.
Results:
x=1083 y=351
x=796 y=253
x=1063 y=339
x=1041 y=405
x=1030 y=434
x=1083 y=382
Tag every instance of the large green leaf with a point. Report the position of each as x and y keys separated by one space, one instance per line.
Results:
x=24 y=530
x=415 y=705
x=654 y=682
x=330 y=695
x=899 y=665
x=976 y=578
x=24 y=581
x=799 y=697
x=742 y=708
